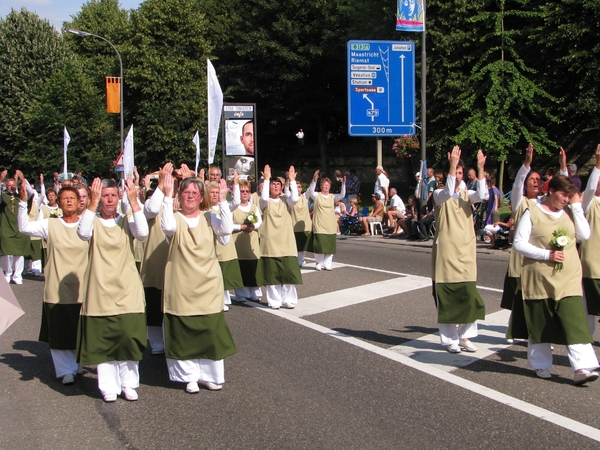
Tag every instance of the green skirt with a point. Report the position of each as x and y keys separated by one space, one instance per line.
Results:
x=36 y=250
x=510 y=293
x=250 y=274
x=517 y=325
x=303 y=241
x=324 y=243
x=111 y=338
x=154 y=314
x=192 y=337
x=232 y=277
x=591 y=287
x=282 y=270
x=59 y=325
x=557 y=322
x=458 y=302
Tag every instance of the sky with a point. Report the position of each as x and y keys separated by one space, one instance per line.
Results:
x=56 y=11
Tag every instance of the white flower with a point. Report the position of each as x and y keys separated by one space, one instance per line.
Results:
x=562 y=241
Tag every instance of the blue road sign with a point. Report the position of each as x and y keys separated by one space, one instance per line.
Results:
x=381 y=88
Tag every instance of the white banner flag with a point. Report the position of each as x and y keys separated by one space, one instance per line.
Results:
x=128 y=154
x=215 y=107
x=196 y=141
x=66 y=140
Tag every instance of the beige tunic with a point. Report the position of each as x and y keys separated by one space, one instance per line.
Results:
x=590 y=261
x=224 y=252
x=113 y=285
x=154 y=261
x=516 y=259
x=324 y=221
x=66 y=265
x=48 y=211
x=246 y=244
x=193 y=280
x=454 y=249
x=301 y=216
x=277 y=235
x=539 y=279
x=33 y=215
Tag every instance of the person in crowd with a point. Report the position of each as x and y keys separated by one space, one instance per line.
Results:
x=493 y=200
x=589 y=259
x=112 y=323
x=376 y=215
x=214 y=175
x=396 y=209
x=382 y=184
x=84 y=198
x=431 y=185
x=247 y=221
x=302 y=223
x=278 y=253
x=324 y=220
x=14 y=246
x=64 y=275
x=550 y=172
x=352 y=186
x=426 y=221
x=255 y=197
x=403 y=227
x=472 y=180
x=226 y=254
x=352 y=209
x=454 y=268
x=498 y=227
x=551 y=281
x=572 y=169
x=300 y=136
x=197 y=337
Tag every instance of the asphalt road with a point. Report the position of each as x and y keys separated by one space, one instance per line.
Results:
x=356 y=365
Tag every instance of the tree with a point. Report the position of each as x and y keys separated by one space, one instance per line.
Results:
x=30 y=52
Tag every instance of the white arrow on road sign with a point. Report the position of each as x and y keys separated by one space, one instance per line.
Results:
x=372 y=113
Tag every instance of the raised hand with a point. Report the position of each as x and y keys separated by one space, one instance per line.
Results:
x=3 y=175
x=167 y=169
x=136 y=176
x=292 y=173
x=132 y=194
x=186 y=172
x=316 y=175
x=168 y=183
x=223 y=190
x=95 y=194
x=266 y=173
x=562 y=158
x=528 y=155
x=23 y=190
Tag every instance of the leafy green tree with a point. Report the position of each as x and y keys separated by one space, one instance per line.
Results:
x=31 y=50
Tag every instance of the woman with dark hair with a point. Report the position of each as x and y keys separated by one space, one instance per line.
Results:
x=197 y=338
x=112 y=327
x=551 y=280
x=324 y=220
x=454 y=256
x=63 y=291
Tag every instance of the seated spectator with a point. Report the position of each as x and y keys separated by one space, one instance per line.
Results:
x=425 y=221
x=404 y=224
x=396 y=209
x=340 y=212
x=498 y=229
x=376 y=215
x=352 y=207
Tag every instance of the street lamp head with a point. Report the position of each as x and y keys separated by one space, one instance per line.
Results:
x=78 y=32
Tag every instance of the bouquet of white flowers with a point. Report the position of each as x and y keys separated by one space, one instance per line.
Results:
x=252 y=218
x=560 y=239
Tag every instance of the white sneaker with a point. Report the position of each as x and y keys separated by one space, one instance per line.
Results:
x=273 y=307
x=585 y=376
x=289 y=305
x=543 y=373
x=225 y=308
x=17 y=281
x=319 y=267
x=110 y=398
x=68 y=379
x=210 y=385
x=130 y=394
x=453 y=348
x=467 y=346
x=192 y=388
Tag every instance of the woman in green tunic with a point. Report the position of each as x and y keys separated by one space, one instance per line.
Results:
x=197 y=337
x=324 y=220
x=64 y=273
x=551 y=280
x=454 y=250
x=112 y=328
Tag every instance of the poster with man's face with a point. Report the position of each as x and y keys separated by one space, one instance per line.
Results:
x=239 y=133
x=239 y=138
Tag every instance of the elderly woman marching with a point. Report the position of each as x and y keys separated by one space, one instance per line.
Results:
x=301 y=222
x=64 y=272
x=197 y=337
x=324 y=220
x=589 y=259
x=551 y=280
x=112 y=328
x=454 y=266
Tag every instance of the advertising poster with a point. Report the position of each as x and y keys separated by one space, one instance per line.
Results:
x=240 y=140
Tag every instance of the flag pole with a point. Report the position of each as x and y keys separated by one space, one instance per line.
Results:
x=424 y=89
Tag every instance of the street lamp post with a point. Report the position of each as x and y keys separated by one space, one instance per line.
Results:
x=85 y=34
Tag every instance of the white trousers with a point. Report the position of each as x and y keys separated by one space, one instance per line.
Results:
x=114 y=375
x=326 y=260
x=13 y=267
x=227 y=298
x=65 y=362
x=198 y=369
x=280 y=294
x=301 y=256
x=581 y=356
x=156 y=339
x=452 y=333
x=248 y=292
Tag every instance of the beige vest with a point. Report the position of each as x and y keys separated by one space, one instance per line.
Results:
x=277 y=234
x=324 y=221
x=246 y=244
x=454 y=248
x=515 y=262
x=539 y=280
x=48 y=211
x=193 y=280
x=154 y=261
x=590 y=262
x=224 y=252
x=301 y=216
x=113 y=285
x=33 y=215
x=66 y=264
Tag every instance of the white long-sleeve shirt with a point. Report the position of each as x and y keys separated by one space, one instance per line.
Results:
x=445 y=194
x=291 y=200
x=138 y=226
x=38 y=228
x=523 y=232
x=247 y=208
x=589 y=195
x=221 y=224
x=310 y=192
